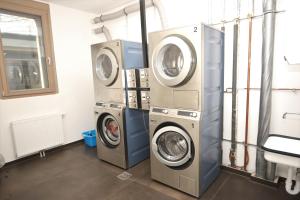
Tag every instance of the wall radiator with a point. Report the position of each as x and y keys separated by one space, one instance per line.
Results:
x=37 y=134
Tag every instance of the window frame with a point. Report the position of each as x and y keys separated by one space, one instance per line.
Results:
x=42 y=10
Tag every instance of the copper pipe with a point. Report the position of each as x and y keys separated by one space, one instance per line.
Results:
x=246 y=153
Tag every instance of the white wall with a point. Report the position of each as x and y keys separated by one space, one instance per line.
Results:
x=72 y=38
x=187 y=12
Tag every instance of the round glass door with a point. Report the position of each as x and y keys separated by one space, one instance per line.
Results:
x=173 y=61
x=109 y=131
x=171 y=146
x=106 y=67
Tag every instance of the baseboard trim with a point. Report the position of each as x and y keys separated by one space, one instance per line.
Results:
x=265 y=182
x=236 y=171
x=14 y=162
x=251 y=176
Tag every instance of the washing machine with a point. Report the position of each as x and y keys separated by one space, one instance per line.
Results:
x=181 y=60
x=109 y=61
x=122 y=134
x=185 y=148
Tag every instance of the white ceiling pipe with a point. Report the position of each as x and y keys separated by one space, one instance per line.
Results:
x=123 y=12
x=134 y=8
x=161 y=12
x=104 y=30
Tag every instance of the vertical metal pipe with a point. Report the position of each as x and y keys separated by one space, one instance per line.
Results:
x=144 y=32
x=246 y=153
x=263 y=169
x=222 y=95
x=232 y=155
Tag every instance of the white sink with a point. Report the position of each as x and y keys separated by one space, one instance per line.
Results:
x=283 y=150
x=286 y=151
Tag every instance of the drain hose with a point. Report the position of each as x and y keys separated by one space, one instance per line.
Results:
x=289 y=183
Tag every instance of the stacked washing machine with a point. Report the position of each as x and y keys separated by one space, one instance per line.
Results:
x=186 y=81
x=122 y=130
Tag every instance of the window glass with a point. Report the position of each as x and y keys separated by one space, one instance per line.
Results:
x=23 y=51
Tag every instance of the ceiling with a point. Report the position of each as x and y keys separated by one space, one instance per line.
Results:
x=92 y=6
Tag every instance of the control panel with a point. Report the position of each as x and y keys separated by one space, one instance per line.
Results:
x=187 y=114
x=145 y=100
x=132 y=78
x=144 y=78
x=137 y=88
x=160 y=110
x=184 y=114
x=100 y=104
x=132 y=99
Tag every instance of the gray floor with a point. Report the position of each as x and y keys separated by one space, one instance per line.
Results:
x=76 y=173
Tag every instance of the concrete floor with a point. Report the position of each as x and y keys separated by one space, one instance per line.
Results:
x=75 y=173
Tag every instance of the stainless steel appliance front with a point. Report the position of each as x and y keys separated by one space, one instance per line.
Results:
x=110 y=134
x=175 y=151
x=107 y=70
x=181 y=60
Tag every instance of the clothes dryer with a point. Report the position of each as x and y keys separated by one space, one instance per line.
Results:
x=182 y=60
x=109 y=61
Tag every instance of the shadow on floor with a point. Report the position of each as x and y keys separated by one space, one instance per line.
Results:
x=75 y=173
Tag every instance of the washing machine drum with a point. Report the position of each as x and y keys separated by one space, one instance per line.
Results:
x=109 y=130
x=173 y=61
x=106 y=67
x=171 y=145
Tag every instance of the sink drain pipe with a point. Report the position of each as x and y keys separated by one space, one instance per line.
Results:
x=289 y=182
x=264 y=169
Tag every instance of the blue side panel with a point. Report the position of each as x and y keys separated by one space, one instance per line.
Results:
x=137 y=136
x=136 y=121
x=212 y=105
x=132 y=55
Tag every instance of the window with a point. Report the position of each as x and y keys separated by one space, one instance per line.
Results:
x=27 y=66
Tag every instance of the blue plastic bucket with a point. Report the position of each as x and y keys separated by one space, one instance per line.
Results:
x=90 y=138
